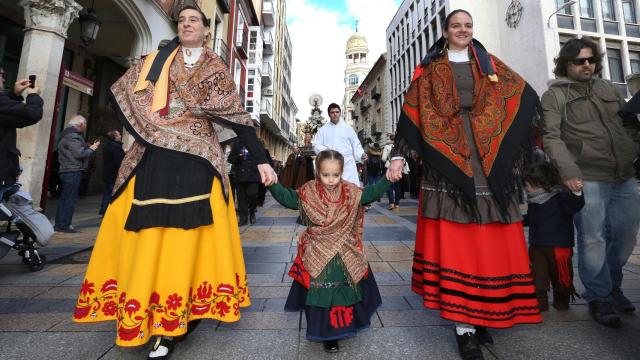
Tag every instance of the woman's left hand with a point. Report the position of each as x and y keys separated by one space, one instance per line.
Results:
x=267 y=174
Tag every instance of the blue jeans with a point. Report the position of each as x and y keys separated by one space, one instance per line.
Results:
x=373 y=179
x=106 y=198
x=70 y=187
x=394 y=193
x=607 y=228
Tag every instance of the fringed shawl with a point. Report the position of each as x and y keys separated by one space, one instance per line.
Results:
x=502 y=118
x=199 y=109
x=336 y=230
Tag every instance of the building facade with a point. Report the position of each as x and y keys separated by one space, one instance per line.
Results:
x=358 y=66
x=525 y=34
x=371 y=118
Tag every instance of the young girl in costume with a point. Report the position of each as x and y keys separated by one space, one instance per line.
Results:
x=551 y=235
x=333 y=283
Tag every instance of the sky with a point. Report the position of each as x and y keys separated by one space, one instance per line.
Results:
x=319 y=31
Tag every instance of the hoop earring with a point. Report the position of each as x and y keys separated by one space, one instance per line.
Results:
x=446 y=44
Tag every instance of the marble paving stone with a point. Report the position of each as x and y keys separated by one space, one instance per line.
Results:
x=34 y=306
x=404 y=255
x=22 y=292
x=395 y=303
x=264 y=321
x=271 y=249
x=257 y=305
x=401 y=266
x=30 y=322
x=57 y=346
x=558 y=340
x=74 y=280
x=67 y=325
x=435 y=342
x=281 y=220
x=412 y=318
x=388 y=278
x=264 y=268
x=380 y=266
x=388 y=233
x=60 y=292
x=263 y=257
x=274 y=305
x=386 y=246
x=395 y=290
x=270 y=292
x=261 y=279
x=412 y=218
x=415 y=301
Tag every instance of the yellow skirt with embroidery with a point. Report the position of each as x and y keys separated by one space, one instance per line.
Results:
x=154 y=281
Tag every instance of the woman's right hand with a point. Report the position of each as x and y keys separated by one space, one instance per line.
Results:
x=394 y=172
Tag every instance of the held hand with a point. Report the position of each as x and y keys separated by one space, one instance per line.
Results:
x=267 y=174
x=574 y=184
x=364 y=157
x=394 y=172
x=95 y=145
x=35 y=90
x=20 y=85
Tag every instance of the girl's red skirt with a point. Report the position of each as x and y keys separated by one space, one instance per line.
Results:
x=475 y=274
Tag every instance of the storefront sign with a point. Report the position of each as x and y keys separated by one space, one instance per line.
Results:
x=77 y=82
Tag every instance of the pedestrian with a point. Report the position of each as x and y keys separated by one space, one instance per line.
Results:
x=338 y=135
x=332 y=280
x=551 y=236
x=585 y=138
x=415 y=173
x=168 y=252
x=375 y=165
x=470 y=259
x=262 y=190
x=74 y=155
x=395 y=190
x=15 y=114
x=247 y=181
x=112 y=155
x=298 y=169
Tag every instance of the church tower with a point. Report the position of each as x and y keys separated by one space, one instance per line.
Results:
x=356 y=70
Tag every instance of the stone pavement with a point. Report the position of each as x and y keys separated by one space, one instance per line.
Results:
x=36 y=308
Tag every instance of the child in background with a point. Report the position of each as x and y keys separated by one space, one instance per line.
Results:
x=551 y=234
x=332 y=283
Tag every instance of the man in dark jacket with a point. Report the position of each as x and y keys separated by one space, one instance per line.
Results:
x=247 y=179
x=586 y=140
x=74 y=156
x=112 y=155
x=15 y=114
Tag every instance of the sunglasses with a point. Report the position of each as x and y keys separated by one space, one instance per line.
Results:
x=581 y=61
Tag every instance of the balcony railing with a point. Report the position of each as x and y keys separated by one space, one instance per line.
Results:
x=267 y=74
x=267 y=43
x=242 y=40
x=267 y=13
x=221 y=48
x=265 y=108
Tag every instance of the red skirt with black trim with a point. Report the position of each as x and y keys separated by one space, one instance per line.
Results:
x=475 y=274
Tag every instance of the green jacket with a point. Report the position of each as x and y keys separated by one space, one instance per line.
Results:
x=583 y=134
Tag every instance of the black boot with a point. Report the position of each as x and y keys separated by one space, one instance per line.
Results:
x=252 y=218
x=621 y=302
x=468 y=347
x=561 y=301
x=331 y=346
x=483 y=336
x=242 y=221
x=602 y=312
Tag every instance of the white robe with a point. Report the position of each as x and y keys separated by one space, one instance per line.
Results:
x=342 y=138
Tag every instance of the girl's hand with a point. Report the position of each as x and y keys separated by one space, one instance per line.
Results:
x=394 y=172
x=267 y=174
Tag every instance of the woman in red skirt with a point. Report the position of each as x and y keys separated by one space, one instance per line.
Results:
x=471 y=119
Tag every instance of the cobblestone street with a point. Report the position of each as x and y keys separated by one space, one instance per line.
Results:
x=36 y=308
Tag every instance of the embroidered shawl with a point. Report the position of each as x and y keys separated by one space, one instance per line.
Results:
x=336 y=230
x=201 y=107
x=502 y=118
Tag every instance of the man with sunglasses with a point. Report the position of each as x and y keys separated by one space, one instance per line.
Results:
x=585 y=138
x=14 y=113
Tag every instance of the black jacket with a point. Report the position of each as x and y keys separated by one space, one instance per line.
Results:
x=551 y=223
x=245 y=166
x=14 y=114
x=112 y=155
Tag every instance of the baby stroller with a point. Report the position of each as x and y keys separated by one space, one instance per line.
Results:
x=32 y=229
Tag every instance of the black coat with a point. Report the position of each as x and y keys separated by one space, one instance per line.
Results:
x=112 y=155
x=14 y=114
x=245 y=166
x=551 y=223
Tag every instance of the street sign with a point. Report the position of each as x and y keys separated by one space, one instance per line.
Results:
x=78 y=82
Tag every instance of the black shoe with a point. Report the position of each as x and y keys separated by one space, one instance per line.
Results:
x=621 y=302
x=252 y=218
x=69 y=230
x=603 y=313
x=162 y=341
x=242 y=222
x=331 y=346
x=483 y=336
x=468 y=347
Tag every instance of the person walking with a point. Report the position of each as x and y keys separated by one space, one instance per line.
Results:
x=112 y=155
x=73 y=156
x=587 y=141
x=471 y=120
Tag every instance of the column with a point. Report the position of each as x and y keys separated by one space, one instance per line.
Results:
x=46 y=24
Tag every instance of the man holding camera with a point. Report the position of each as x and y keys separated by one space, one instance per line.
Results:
x=14 y=114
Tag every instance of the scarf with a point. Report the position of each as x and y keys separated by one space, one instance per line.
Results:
x=336 y=230
x=542 y=196
x=501 y=117
x=192 y=111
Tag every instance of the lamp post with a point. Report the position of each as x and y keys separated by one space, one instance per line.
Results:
x=567 y=4
x=89 y=25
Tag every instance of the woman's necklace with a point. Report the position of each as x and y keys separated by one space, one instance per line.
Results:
x=187 y=51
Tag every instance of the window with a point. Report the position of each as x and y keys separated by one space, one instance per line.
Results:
x=608 y=11
x=629 y=11
x=567 y=10
x=586 y=8
x=634 y=57
x=615 y=65
x=253 y=39
x=353 y=80
x=249 y=107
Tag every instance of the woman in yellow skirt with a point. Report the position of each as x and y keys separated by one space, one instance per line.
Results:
x=168 y=251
